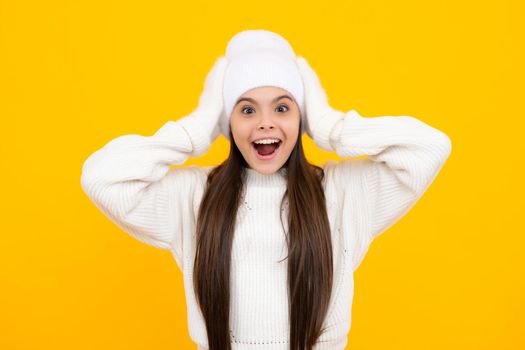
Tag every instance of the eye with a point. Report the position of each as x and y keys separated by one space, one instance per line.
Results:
x=285 y=106
x=245 y=108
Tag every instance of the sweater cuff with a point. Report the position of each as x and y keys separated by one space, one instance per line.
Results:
x=177 y=137
x=325 y=127
x=199 y=136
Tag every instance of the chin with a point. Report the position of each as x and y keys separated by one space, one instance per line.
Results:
x=267 y=170
x=266 y=167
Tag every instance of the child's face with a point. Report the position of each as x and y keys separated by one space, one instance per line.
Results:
x=265 y=116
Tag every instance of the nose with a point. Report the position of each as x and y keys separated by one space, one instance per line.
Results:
x=266 y=124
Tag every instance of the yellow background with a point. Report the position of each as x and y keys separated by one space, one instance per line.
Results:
x=76 y=74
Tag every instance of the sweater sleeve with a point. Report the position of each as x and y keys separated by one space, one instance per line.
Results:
x=130 y=180
x=404 y=157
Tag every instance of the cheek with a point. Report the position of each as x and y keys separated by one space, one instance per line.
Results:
x=241 y=133
x=292 y=133
x=239 y=129
x=292 y=129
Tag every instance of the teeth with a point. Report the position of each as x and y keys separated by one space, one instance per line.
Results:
x=266 y=141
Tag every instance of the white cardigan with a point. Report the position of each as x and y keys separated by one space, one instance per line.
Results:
x=130 y=180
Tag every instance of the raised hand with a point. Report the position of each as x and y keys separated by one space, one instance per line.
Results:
x=202 y=124
x=316 y=101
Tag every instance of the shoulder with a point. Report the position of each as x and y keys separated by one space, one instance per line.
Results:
x=191 y=173
x=344 y=182
x=187 y=183
x=340 y=174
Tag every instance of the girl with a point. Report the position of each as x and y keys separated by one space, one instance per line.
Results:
x=267 y=242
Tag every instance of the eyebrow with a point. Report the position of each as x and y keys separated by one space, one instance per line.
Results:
x=253 y=101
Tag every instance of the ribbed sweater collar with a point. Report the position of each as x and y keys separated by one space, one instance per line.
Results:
x=276 y=179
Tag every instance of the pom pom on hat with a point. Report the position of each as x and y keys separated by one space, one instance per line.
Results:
x=259 y=58
x=254 y=41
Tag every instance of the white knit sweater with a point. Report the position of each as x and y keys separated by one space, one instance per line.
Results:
x=130 y=180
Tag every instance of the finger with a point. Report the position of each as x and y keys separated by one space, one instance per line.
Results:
x=311 y=82
x=216 y=75
x=212 y=93
x=305 y=68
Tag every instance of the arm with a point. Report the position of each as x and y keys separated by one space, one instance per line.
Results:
x=404 y=157
x=130 y=181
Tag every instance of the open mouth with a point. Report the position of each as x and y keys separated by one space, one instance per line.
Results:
x=266 y=150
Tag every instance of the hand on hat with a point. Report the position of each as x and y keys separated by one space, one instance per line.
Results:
x=202 y=124
x=316 y=101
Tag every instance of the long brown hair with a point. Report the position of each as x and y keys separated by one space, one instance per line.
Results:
x=310 y=265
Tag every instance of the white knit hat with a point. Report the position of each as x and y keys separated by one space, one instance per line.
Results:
x=259 y=58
